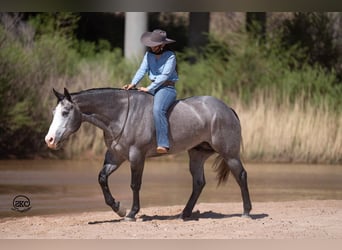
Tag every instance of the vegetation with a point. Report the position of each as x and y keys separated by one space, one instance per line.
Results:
x=288 y=102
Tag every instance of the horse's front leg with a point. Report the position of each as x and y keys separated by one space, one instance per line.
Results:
x=111 y=163
x=137 y=168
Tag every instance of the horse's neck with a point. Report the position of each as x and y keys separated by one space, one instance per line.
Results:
x=104 y=109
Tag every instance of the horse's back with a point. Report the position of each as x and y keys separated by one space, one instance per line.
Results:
x=202 y=119
x=190 y=114
x=203 y=109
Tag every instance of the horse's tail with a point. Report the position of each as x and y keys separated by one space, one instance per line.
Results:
x=222 y=169
x=220 y=166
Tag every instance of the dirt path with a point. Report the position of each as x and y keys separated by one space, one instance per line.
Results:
x=270 y=220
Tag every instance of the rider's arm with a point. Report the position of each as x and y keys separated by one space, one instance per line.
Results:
x=141 y=71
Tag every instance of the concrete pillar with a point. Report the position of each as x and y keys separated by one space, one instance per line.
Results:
x=135 y=25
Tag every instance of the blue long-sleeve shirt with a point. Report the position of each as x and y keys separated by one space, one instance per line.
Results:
x=159 y=70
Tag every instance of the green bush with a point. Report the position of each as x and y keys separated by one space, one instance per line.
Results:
x=249 y=67
x=25 y=67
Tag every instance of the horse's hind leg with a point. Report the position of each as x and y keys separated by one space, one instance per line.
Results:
x=111 y=163
x=240 y=174
x=197 y=159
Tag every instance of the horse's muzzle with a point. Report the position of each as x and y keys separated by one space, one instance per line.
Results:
x=51 y=142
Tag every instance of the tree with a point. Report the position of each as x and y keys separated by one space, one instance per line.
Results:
x=319 y=34
x=198 y=29
x=256 y=24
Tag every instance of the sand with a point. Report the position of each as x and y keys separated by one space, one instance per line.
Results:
x=312 y=219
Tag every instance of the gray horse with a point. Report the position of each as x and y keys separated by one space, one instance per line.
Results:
x=202 y=125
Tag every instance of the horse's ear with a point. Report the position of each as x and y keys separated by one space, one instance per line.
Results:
x=59 y=96
x=67 y=95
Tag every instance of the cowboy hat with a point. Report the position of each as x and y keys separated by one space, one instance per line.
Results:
x=155 y=38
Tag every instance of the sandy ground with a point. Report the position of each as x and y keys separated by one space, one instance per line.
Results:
x=269 y=220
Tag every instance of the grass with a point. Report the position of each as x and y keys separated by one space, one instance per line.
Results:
x=290 y=132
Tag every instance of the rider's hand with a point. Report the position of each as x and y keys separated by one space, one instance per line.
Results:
x=128 y=86
x=143 y=89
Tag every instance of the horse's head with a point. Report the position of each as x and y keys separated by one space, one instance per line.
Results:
x=67 y=119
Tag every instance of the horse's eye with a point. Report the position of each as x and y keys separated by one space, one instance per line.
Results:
x=65 y=113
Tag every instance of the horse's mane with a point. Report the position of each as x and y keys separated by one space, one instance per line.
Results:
x=106 y=90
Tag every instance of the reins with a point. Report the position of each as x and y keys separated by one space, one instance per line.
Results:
x=118 y=137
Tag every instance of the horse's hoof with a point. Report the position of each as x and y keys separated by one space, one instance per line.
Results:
x=184 y=217
x=122 y=211
x=130 y=219
x=247 y=216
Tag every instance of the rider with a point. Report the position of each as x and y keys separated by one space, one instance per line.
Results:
x=160 y=64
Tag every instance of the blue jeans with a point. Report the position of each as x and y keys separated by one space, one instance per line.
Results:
x=163 y=99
